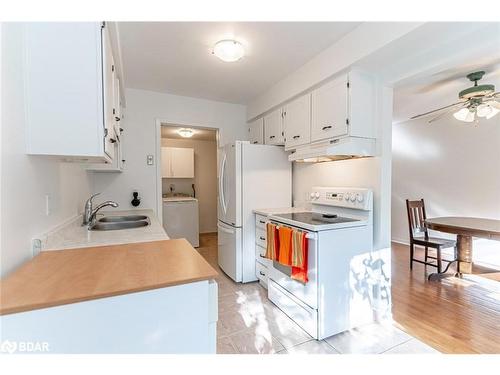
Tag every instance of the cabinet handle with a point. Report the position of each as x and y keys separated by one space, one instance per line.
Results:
x=112 y=140
x=117 y=118
x=255 y=142
x=121 y=130
x=296 y=136
x=262 y=238
x=262 y=256
x=262 y=222
x=262 y=273
x=272 y=136
x=326 y=127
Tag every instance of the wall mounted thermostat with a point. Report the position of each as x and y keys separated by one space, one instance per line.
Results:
x=150 y=159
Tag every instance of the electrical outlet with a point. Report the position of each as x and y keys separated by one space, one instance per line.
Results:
x=150 y=160
x=36 y=247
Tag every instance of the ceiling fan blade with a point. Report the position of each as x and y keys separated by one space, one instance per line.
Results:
x=437 y=110
x=493 y=103
x=451 y=109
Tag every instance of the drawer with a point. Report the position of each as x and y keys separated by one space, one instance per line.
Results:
x=261 y=273
x=300 y=313
x=260 y=237
x=259 y=256
x=260 y=221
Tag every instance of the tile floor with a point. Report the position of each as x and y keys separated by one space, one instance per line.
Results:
x=250 y=324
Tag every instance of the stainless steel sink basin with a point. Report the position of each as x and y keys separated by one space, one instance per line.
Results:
x=116 y=219
x=119 y=225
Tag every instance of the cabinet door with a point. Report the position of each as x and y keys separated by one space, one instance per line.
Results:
x=256 y=131
x=182 y=162
x=166 y=162
x=108 y=88
x=273 y=128
x=297 y=124
x=330 y=110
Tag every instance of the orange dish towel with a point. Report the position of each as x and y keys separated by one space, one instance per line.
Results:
x=272 y=249
x=285 y=246
x=299 y=256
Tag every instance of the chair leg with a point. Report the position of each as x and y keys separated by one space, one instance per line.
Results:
x=439 y=259
x=426 y=253
x=411 y=256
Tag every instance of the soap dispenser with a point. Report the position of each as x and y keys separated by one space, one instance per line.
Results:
x=136 y=201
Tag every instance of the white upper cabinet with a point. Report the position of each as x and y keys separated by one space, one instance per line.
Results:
x=273 y=128
x=256 y=131
x=297 y=124
x=330 y=110
x=177 y=162
x=69 y=91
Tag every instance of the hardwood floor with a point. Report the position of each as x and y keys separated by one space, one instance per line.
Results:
x=452 y=315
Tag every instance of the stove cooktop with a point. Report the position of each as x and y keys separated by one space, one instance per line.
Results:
x=314 y=218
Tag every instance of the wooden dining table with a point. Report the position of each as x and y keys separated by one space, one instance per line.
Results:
x=465 y=228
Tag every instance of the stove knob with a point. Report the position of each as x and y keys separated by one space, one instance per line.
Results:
x=311 y=195
x=346 y=196
x=359 y=197
x=316 y=195
x=353 y=197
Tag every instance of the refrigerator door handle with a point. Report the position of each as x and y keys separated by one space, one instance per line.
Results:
x=224 y=229
x=222 y=197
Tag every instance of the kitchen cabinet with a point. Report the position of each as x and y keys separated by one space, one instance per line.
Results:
x=297 y=122
x=118 y=161
x=256 y=131
x=177 y=162
x=329 y=110
x=273 y=128
x=69 y=85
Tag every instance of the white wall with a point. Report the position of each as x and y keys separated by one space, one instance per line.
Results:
x=140 y=139
x=26 y=180
x=205 y=179
x=454 y=166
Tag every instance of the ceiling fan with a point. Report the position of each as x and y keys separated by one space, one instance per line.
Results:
x=476 y=101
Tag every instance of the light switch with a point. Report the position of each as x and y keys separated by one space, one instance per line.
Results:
x=150 y=160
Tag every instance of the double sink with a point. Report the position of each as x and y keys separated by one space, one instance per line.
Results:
x=121 y=222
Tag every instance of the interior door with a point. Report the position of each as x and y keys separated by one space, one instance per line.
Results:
x=229 y=250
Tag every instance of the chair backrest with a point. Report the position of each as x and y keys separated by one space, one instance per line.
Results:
x=416 y=218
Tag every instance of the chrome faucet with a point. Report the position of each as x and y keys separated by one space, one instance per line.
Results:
x=89 y=214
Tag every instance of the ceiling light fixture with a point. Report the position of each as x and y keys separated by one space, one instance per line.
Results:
x=228 y=50
x=185 y=133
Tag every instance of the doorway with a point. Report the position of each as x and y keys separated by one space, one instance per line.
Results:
x=187 y=163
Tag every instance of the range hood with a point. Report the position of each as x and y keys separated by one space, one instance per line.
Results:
x=335 y=149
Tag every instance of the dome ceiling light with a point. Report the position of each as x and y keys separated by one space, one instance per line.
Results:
x=228 y=50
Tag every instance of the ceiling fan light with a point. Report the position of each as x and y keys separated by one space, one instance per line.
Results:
x=492 y=113
x=463 y=115
x=484 y=110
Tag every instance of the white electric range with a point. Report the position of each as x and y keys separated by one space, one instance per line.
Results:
x=339 y=293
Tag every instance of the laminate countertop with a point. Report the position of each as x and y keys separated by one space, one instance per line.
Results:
x=72 y=234
x=62 y=277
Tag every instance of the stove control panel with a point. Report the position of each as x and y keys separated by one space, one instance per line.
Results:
x=356 y=198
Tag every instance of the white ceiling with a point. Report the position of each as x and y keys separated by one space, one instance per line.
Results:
x=175 y=57
x=170 y=131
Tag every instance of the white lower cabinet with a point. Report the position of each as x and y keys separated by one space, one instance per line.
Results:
x=261 y=273
x=179 y=319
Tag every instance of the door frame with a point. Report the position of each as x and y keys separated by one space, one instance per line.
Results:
x=159 y=122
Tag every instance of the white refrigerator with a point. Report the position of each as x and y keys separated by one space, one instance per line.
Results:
x=250 y=176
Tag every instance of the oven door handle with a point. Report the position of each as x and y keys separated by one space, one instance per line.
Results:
x=309 y=235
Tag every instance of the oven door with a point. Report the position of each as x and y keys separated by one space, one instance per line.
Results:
x=307 y=293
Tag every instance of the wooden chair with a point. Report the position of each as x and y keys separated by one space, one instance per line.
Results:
x=419 y=235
